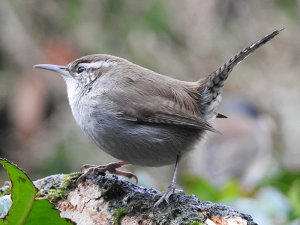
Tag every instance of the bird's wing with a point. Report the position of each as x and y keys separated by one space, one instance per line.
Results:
x=158 y=104
x=150 y=112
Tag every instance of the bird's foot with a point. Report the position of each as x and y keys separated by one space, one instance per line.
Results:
x=166 y=195
x=111 y=168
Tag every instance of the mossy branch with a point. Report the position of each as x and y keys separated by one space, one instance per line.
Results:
x=113 y=200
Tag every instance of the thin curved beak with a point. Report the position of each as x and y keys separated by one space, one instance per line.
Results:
x=55 y=68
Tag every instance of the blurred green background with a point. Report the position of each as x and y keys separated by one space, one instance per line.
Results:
x=254 y=165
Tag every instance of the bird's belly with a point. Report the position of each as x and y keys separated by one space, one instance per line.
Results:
x=141 y=144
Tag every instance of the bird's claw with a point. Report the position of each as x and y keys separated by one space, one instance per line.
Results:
x=111 y=168
x=166 y=195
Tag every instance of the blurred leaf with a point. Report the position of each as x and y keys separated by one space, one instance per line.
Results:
x=230 y=191
x=113 y=6
x=290 y=7
x=282 y=181
x=207 y=192
x=73 y=10
x=59 y=161
x=156 y=18
x=294 y=198
x=199 y=187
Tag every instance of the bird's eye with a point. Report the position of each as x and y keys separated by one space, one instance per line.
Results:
x=80 y=69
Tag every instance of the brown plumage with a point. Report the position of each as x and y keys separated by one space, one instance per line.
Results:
x=154 y=98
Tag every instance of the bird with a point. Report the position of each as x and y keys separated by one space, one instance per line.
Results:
x=139 y=116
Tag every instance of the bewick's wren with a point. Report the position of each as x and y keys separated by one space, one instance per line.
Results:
x=139 y=116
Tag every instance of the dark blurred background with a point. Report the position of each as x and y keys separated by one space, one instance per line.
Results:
x=254 y=165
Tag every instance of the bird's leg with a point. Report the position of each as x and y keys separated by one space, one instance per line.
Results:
x=111 y=168
x=172 y=187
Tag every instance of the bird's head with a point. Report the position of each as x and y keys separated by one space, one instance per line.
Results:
x=81 y=73
x=84 y=70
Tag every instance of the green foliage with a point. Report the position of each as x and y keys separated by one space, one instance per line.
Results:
x=113 y=6
x=156 y=18
x=207 y=192
x=199 y=187
x=25 y=209
x=294 y=198
x=289 y=184
x=231 y=190
x=73 y=10
x=290 y=7
x=58 y=162
x=282 y=181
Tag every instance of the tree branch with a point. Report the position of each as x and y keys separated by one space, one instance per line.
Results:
x=113 y=200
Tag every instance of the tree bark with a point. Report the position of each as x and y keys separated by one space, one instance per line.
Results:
x=111 y=199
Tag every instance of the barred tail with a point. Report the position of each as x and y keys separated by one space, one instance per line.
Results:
x=215 y=81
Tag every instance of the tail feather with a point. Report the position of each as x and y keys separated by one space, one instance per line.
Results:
x=214 y=83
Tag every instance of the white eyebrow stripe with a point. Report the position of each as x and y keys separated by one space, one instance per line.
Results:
x=97 y=64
